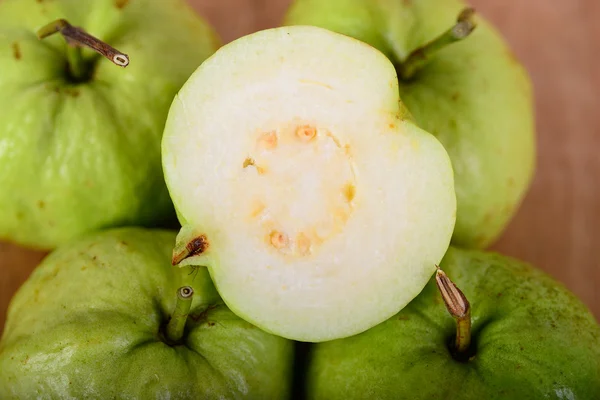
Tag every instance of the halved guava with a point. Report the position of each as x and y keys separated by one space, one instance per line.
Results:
x=319 y=208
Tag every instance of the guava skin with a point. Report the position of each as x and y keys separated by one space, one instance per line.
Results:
x=474 y=96
x=82 y=156
x=532 y=339
x=88 y=324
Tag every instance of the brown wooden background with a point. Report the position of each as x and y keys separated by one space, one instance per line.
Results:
x=558 y=227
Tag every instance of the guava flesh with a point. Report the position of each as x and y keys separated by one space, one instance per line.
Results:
x=290 y=152
x=89 y=323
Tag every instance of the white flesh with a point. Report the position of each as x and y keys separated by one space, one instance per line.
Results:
x=325 y=211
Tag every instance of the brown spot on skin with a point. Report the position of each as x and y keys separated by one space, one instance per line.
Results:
x=121 y=4
x=195 y=247
x=41 y=205
x=210 y=323
x=73 y=92
x=480 y=239
x=202 y=315
x=392 y=126
x=83 y=268
x=455 y=96
x=403 y=318
x=16 y=51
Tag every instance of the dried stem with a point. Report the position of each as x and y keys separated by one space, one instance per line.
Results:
x=458 y=306
x=77 y=38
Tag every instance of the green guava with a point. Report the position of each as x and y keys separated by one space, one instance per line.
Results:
x=303 y=186
x=474 y=96
x=531 y=339
x=80 y=137
x=94 y=321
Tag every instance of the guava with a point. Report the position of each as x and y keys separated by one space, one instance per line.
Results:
x=107 y=317
x=460 y=80
x=317 y=205
x=79 y=136
x=530 y=338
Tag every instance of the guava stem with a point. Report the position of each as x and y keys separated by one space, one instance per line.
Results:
x=458 y=306
x=77 y=37
x=176 y=325
x=418 y=58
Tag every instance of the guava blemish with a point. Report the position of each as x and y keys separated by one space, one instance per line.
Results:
x=196 y=246
x=349 y=192
x=201 y=316
x=121 y=4
x=16 y=51
x=41 y=205
x=248 y=162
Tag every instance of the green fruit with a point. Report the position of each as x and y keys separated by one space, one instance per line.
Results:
x=302 y=186
x=80 y=140
x=91 y=323
x=473 y=96
x=531 y=339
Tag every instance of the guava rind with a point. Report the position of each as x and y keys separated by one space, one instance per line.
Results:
x=87 y=324
x=533 y=339
x=78 y=157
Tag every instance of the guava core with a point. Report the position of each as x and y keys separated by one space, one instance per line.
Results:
x=303 y=185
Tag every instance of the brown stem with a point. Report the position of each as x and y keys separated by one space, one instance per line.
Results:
x=77 y=37
x=194 y=247
x=458 y=306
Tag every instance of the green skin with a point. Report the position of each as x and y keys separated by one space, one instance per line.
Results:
x=532 y=339
x=473 y=96
x=89 y=323
x=80 y=156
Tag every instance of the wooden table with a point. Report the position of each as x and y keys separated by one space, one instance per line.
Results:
x=558 y=226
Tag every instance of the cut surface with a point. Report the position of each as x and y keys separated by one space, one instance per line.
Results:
x=325 y=210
